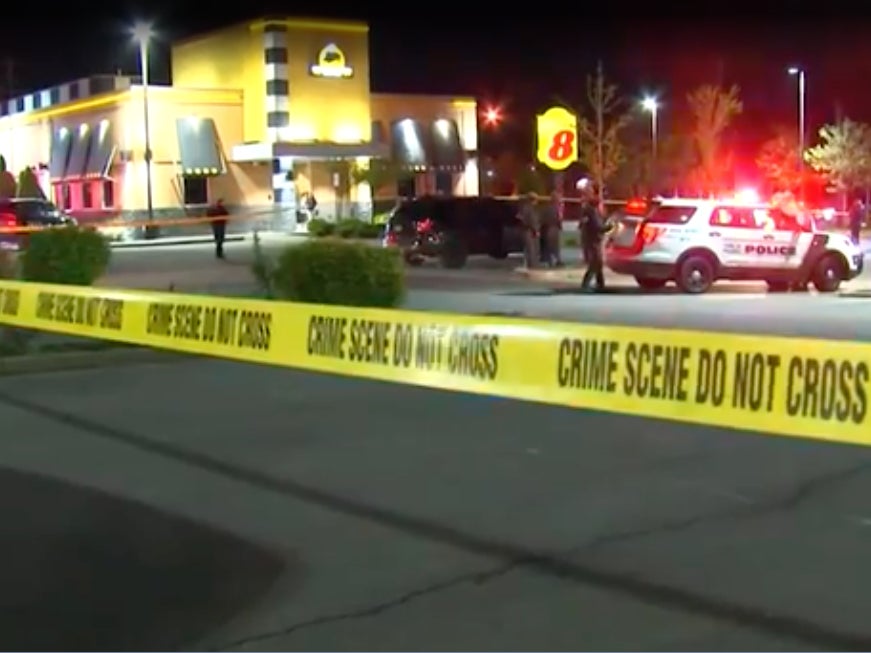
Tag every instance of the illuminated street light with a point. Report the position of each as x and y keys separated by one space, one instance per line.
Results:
x=651 y=105
x=795 y=71
x=143 y=33
x=493 y=116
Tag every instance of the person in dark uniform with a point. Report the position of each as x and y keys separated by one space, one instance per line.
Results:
x=218 y=212
x=593 y=228
x=857 y=217
x=549 y=212
x=529 y=218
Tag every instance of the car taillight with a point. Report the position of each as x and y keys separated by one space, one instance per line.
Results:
x=390 y=238
x=8 y=221
x=424 y=226
x=649 y=234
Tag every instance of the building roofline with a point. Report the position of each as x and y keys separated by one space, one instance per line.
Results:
x=334 y=24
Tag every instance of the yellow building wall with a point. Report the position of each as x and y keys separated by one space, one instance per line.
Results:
x=324 y=109
x=231 y=58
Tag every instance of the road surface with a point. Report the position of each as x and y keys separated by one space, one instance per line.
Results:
x=210 y=505
x=489 y=286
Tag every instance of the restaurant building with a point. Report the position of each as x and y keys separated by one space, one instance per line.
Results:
x=258 y=114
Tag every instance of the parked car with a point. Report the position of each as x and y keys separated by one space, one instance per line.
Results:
x=454 y=228
x=27 y=212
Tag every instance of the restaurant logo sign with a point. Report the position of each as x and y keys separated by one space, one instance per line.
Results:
x=332 y=63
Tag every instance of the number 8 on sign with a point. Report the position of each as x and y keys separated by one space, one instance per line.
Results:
x=557 y=138
x=561 y=147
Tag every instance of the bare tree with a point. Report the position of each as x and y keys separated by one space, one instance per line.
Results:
x=600 y=147
x=713 y=109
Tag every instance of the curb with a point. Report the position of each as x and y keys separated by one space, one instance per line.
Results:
x=168 y=242
x=567 y=275
x=82 y=360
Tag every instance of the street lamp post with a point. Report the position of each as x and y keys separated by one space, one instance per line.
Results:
x=651 y=105
x=142 y=34
x=802 y=94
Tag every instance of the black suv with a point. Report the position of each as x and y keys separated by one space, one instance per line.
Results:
x=27 y=212
x=454 y=228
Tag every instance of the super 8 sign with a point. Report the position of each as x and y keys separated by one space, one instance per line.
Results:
x=557 y=138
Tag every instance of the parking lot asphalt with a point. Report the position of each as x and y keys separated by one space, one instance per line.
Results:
x=211 y=505
x=490 y=286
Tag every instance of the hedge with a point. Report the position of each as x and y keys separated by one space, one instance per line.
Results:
x=67 y=255
x=348 y=228
x=337 y=272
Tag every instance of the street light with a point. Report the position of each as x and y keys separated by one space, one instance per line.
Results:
x=802 y=93
x=651 y=105
x=142 y=33
x=492 y=116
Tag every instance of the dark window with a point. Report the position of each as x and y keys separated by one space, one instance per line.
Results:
x=405 y=187
x=735 y=218
x=55 y=95
x=87 y=196
x=37 y=100
x=108 y=194
x=277 y=119
x=66 y=197
x=277 y=87
x=74 y=91
x=444 y=183
x=276 y=55
x=672 y=214
x=19 y=104
x=276 y=166
x=196 y=190
x=4 y=108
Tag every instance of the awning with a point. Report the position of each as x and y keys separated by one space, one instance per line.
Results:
x=198 y=147
x=410 y=144
x=81 y=142
x=61 y=143
x=447 y=150
x=102 y=151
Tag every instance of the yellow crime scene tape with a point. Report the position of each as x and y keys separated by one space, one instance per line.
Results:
x=785 y=386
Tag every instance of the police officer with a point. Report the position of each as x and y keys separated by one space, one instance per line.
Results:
x=551 y=226
x=218 y=214
x=593 y=228
x=529 y=218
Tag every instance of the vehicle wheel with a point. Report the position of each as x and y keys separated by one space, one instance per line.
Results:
x=777 y=286
x=454 y=253
x=696 y=274
x=414 y=260
x=648 y=283
x=828 y=274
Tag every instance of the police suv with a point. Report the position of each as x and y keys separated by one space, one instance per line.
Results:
x=695 y=242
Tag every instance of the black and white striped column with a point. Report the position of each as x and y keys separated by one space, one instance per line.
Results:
x=275 y=74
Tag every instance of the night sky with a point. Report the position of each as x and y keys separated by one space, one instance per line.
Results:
x=501 y=55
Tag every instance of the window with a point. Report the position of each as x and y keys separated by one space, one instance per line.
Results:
x=735 y=218
x=444 y=183
x=87 y=196
x=66 y=200
x=196 y=190
x=108 y=194
x=672 y=214
x=405 y=187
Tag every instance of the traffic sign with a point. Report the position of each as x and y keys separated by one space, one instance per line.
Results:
x=557 y=138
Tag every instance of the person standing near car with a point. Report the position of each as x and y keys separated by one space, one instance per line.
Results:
x=218 y=214
x=592 y=228
x=551 y=226
x=529 y=219
x=857 y=217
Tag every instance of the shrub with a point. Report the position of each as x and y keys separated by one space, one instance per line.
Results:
x=332 y=271
x=369 y=230
x=66 y=255
x=348 y=228
x=319 y=227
